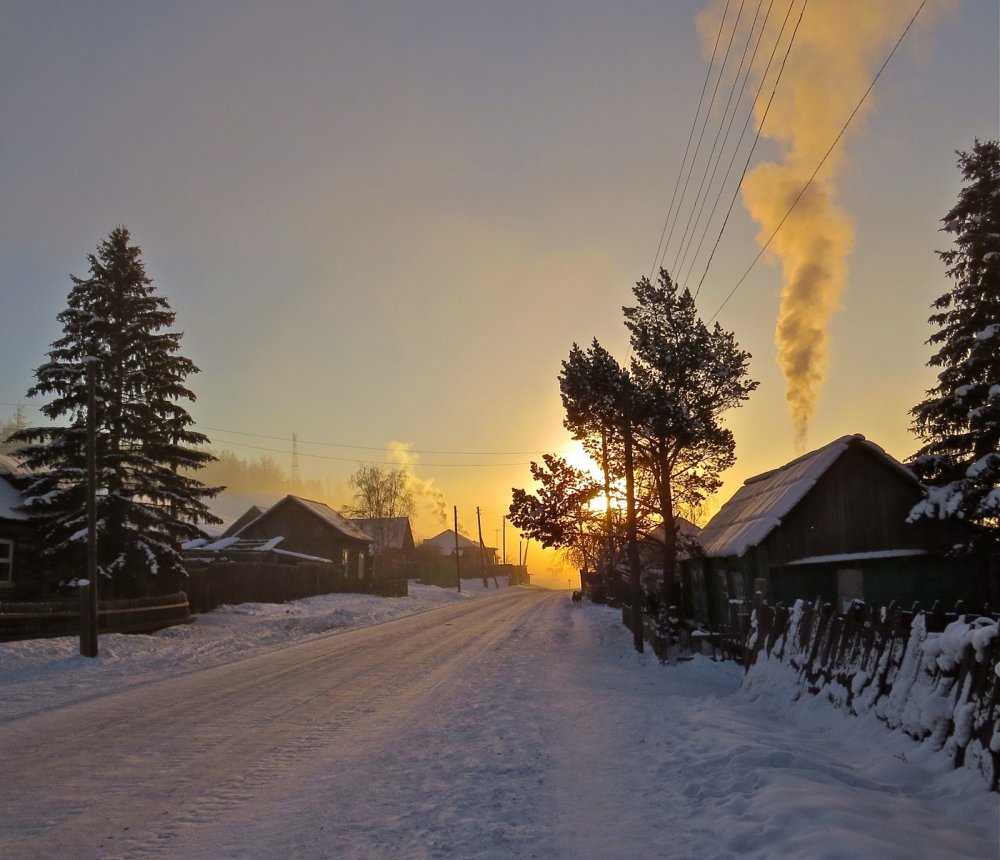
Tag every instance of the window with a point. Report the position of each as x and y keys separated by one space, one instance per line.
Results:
x=850 y=587
x=6 y=562
x=361 y=566
x=344 y=558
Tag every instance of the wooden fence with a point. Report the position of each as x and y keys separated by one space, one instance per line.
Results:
x=212 y=585
x=442 y=574
x=680 y=641
x=42 y=619
x=930 y=674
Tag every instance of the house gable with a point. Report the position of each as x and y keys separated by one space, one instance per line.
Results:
x=858 y=505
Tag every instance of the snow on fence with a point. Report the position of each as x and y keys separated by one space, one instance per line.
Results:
x=212 y=585
x=42 y=619
x=933 y=675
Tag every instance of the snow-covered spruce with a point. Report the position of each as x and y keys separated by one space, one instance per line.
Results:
x=147 y=503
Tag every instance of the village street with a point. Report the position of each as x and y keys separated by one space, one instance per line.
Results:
x=510 y=725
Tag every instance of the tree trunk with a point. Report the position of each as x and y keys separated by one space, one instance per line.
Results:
x=633 y=548
x=669 y=535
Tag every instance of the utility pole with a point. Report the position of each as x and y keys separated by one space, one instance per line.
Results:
x=458 y=559
x=295 y=462
x=504 y=527
x=482 y=547
x=88 y=597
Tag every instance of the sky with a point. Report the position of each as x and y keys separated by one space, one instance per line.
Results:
x=383 y=224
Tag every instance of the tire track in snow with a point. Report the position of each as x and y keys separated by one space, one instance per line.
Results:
x=140 y=770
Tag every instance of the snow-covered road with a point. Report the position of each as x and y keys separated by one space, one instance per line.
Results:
x=509 y=725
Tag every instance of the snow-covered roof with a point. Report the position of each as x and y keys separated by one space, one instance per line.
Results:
x=328 y=514
x=325 y=512
x=223 y=546
x=760 y=505
x=859 y=556
x=10 y=500
x=446 y=542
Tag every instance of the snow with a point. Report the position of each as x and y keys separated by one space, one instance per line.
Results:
x=10 y=501
x=564 y=743
x=990 y=331
x=859 y=556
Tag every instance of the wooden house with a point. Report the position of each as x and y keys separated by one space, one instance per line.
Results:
x=20 y=576
x=290 y=531
x=446 y=544
x=831 y=524
x=393 y=536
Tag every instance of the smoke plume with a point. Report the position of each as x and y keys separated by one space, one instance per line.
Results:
x=423 y=489
x=837 y=50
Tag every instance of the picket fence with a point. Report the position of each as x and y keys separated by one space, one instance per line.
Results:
x=931 y=674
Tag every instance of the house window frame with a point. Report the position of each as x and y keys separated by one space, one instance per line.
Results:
x=6 y=563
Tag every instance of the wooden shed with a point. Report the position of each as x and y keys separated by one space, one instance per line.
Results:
x=831 y=524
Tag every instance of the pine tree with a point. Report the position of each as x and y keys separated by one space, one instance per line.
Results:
x=686 y=375
x=959 y=420
x=664 y=413
x=559 y=515
x=146 y=506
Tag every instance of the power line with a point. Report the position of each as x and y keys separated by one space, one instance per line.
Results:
x=826 y=155
x=382 y=448
x=712 y=162
x=687 y=147
x=760 y=126
x=219 y=442
x=683 y=279
x=704 y=124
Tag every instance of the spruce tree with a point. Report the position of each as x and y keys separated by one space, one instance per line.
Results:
x=147 y=506
x=959 y=420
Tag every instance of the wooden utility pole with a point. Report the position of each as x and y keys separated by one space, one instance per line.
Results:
x=88 y=602
x=482 y=547
x=504 y=536
x=458 y=560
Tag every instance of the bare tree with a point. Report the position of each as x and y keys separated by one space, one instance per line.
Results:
x=380 y=495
